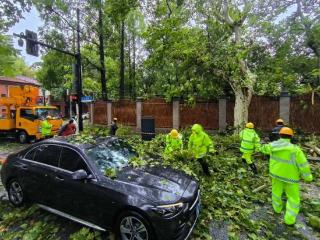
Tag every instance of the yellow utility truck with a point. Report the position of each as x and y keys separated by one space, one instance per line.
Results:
x=21 y=116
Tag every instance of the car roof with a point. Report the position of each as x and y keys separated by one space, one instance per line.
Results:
x=70 y=142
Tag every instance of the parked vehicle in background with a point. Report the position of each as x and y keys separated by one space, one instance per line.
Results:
x=69 y=179
x=85 y=116
x=23 y=116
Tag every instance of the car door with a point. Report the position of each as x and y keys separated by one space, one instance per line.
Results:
x=42 y=162
x=84 y=199
x=25 y=120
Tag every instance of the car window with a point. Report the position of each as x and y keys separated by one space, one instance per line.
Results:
x=47 y=154
x=30 y=154
x=113 y=154
x=70 y=160
x=27 y=114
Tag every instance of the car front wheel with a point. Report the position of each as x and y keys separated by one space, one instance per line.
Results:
x=15 y=193
x=132 y=226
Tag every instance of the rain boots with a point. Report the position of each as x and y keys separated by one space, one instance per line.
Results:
x=253 y=168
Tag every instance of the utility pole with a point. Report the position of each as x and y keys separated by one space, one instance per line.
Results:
x=101 y=51
x=78 y=71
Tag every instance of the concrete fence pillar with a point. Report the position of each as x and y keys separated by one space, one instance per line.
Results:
x=109 y=112
x=284 y=107
x=91 y=113
x=175 y=113
x=222 y=114
x=138 y=113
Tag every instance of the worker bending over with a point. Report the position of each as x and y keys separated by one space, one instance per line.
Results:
x=200 y=145
x=173 y=143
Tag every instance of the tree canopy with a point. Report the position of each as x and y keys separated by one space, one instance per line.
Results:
x=184 y=48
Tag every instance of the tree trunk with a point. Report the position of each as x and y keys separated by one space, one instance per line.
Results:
x=122 y=66
x=101 y=54
x=241 y=108
x=134 y=64
x=130 y=65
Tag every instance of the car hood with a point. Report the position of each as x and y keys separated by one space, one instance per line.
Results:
x=158 y=184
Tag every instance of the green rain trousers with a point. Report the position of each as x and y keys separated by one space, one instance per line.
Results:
x=293 y=199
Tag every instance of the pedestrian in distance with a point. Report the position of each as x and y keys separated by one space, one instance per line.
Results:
x=249 y=143
x=287 y=164
x=46 y=127
x=68 y=129
x=113 y=127
x=274 y=136
x=173 y=143
x=200 y=145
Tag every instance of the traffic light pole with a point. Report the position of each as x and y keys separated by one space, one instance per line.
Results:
x=79 y=86
x=77 y=56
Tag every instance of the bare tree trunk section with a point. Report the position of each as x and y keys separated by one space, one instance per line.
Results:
x=134 y=64
x=243 y=98
x=122 y=64
x=130 y=65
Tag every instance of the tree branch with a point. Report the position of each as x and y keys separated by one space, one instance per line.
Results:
x=225 y=11
x=170 y=11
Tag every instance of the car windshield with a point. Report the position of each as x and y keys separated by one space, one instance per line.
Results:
x=44 y=112
x=111 y=155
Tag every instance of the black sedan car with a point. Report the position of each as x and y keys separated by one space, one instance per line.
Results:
x=69 y=180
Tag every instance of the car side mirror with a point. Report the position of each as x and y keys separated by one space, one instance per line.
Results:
x=79 y=175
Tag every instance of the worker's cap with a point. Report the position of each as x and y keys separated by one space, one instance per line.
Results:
x=279 y=121
x=286 y=131
x=250 y=125
x=174 y=133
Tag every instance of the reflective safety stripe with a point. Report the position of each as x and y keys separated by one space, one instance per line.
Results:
x=306 y=174
x=292 y=160
x=276 y=197
x=292 y=213
x=278 y=145
x=248 y=141
x=247 y=148
x=293 y=205
x=277 y=204
x=284 y=179
x=302 y=165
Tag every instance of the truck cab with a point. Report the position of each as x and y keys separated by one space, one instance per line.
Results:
x=24 y=123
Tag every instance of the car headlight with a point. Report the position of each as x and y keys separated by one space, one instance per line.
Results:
x=169 y=210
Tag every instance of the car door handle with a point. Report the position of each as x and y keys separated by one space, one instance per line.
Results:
x=59 y=178
x=23 y=167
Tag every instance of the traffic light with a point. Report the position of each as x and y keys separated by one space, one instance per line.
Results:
x=74 y=97
x=32 y=48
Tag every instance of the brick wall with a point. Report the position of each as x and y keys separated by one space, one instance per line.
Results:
x=304 y=115
x=100 y=113
x=207 y=114
x=160 y=110
x=125 y=112
x=263 y=111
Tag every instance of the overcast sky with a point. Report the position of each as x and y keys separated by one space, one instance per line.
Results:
x=31 y=22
